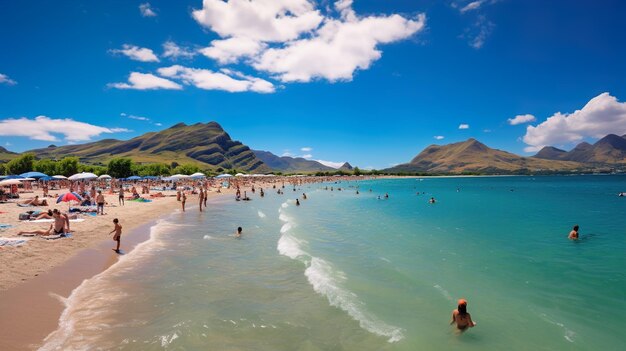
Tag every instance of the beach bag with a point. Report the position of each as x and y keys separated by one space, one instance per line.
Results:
x=24 y=216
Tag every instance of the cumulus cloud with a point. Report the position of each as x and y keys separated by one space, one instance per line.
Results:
x=294 y=42
x=331 y=164
x=146 y=10
x=231 y=49
x=463 y=126
x=439 y=137
x=146 y=81
x=4 y=79
x=45 y=128
x=306 y=149
x=260 y=20
x=139 y=118
x=602 y=115
x=223 y=80
x=173 y=51
x=521 y=119
x=137 y=53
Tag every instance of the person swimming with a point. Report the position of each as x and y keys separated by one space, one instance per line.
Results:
x=573 y=235
x=238 y=233
x=461 y=317
x=432 y=200
x=297 y=202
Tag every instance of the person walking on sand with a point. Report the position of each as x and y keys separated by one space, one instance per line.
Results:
x=121 y=197
x=100 y=203
x=183 y=199
x=461 y=317
x=573 y=235
x=118 y=234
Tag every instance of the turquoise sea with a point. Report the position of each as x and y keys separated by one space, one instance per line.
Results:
x=348 y=271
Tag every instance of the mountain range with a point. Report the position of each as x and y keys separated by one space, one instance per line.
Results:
x=204 y=144
x=290 y=164
x=609 y=150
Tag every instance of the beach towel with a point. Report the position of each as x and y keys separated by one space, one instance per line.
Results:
x=141 y=199
x=25 y=205
x=57 y=236
x=12 y=241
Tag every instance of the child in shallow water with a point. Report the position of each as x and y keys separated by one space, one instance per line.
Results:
x=118 y=234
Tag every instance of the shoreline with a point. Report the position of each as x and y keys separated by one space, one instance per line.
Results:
x=30 y=309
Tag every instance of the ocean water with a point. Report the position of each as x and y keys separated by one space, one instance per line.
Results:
x=348 y=271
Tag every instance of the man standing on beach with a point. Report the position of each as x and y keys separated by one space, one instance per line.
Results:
x=118 y=234
x=100 y=202
x=121 y=197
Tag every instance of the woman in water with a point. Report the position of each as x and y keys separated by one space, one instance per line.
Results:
x=461 y=318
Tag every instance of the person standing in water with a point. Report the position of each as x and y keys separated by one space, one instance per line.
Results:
x=461 y=317
x=238 y=233
x=183 y=200
x=573 y=235
x=201 y=198
x=118 y=234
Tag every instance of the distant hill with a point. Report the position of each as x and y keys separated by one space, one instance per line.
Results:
x=474 y=156
x=609 y=150
x=346 y=167
x=6 y=155
x=204 y=144
x=290 y=164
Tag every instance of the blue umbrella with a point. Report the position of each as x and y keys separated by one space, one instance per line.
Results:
x=13 y=176
x=150 y=177
x=47 y=178
x=35 y=175
x=134 y=178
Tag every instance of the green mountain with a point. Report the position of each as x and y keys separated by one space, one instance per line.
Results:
x=6 y=155
x=204 y=144
x=475 y=157
x=610 y=150
x=290 y=164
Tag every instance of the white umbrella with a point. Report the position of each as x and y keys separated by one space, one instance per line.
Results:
x=29 y=179
x=105 y=176
x=59 y=177
x=179 y=176
x=83 y=176
x=198 y=175
x=225 y=175
x=8 y=182
x=239 y=175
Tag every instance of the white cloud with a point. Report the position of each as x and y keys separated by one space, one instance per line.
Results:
x=306 y=149
x=338 y=48
x=45 y=128
x=146 y=81
x=438 y=137
x=464 y=126
x=474 y=5
x=294 y=42
x=287 y=154
x=158 y=124
x=487 y=130
x=136 y=53
x=8 y=143
x=209 y=80
x=139 y=118
x=4 y=79
x=261 y=20
x=146 y=10
x=521 y=119
x=478 y=34
x=602 y=115
x=331 y=163
x=174 y=51
x=231 y=49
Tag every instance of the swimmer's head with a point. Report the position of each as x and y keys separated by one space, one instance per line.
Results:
x=462 y=308
x=576 y=227
x=239 y=230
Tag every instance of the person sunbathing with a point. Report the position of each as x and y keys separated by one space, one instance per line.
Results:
x=36 y=232
x=43 y=215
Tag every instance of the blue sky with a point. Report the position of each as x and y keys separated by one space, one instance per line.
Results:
x=369 y=82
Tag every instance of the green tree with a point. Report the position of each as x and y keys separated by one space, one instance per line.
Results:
x=21 y=164
x=3 y=169
x=357 y=171
x=186 y=169
x=120 y=167
x=48 y=167
x=67 y=166
x=153 y=169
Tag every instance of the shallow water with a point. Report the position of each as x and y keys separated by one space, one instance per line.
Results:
x=352 y=272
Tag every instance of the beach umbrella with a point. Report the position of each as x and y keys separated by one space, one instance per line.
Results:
x=83 y=176
x=28 y=179
x=239 y=175
x=35 y=175
x=133 y=178
x=151 y=177
x=67 y=197
x=46 y=179
x=105 y=176
x=58 y=176
x=8 y=182
x=225 y=175
x=14 y=176
x=198 y=175
x=179 y=176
